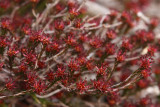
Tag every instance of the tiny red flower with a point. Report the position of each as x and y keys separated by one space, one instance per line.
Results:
x=73 y=11
x=89 y=65
x=143 y=36
x=31 y=77
x=126 y=45
x=35 y=36
x=99 y=53
x=101 y=70
x=126 y=17
x=70 y=40
x=154 y=22
x=111 y=34
x=59 y=24
x=10 y=84
x=73 y=65
x=82 y=60
x=3 y=43
x=95 y=42
x=26 y=30
x=145 y=63
x=78 y=23
x=5 y=23
x=110 y=49
x=30 y=58
x=83 y=38
x=143 y=83
x=101 y=85
x=23 y=67
x=55 y=46
x=81 y=85
x=120 y=57
x=151 y=50
x=41 y=64
x=12 y=52
x=50 y=76
x=60 y=72
x=145 y=101
x=59 y=7
x=145 y=73
x=45 y=40
x=39 y=86
x=71 y=3
x=78 y=48
x=97 y=84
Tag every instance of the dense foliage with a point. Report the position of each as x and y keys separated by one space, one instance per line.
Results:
x=54 y=52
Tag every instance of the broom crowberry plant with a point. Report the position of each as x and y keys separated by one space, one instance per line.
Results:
x=53 y=49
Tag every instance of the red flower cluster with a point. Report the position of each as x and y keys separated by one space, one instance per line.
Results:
x=57 y=48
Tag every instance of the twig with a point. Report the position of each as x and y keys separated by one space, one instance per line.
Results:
x=133 y=58
x=15 y=95
x=55 y=56
x=45 y=12
x=53 y=17
x=82 y=4
x=143 y=17
x=126 y=80
x=111 y=72
x=130 y=83
x=50 y=94
x=100 y=26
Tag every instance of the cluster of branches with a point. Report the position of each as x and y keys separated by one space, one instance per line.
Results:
x=58 y=48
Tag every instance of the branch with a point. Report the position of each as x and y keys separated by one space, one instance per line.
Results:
x=15 y=95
